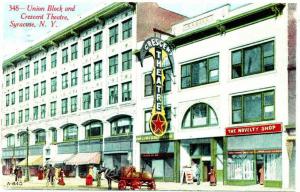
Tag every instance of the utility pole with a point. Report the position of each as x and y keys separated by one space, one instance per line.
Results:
x=27 y=155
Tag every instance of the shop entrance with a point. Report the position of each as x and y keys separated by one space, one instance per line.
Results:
x=259 y=169
x=205 y=168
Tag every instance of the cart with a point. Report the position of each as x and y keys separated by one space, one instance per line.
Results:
x=135 y=180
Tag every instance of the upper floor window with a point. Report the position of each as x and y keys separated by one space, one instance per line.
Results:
x=253 y=107
x=12 y=118
x=43 y=64
x=200 y=72
x=53 y=108
x=54 y=135
x=13 y=98
x=168 y=81
x=73 y=103
x=87 y=46
x=126 y=91
x=53 y=84
x=64 y=106
x=199 y=115
x=113 y=64
x=7 y=99
x=27 y=71
x=20 y=74
x=27 y=115
x=126 y=60
x=35 y=112
x=113 y=34
x=43 y=111
x=23 y=139
x=74 y=77
x=127 y=28
x=27 y=93
x=10 y=140
x=21 y=95
x=86 y=73
x=97 y=98
x=65 y=55
x=53 y=60
x=253 y=60
x=113 y=94
x=64 y=80
x=13 y=78
x=121 y=126
x=40 y=137
x=87 y=100
x=20 y=116
x=35 y=90
x=70 y=132
x=148 y=85
x=7 y=119
x=98 y=41
x=36 y=68
x=74 y=51
x=7 y=80
x=93 y=129
x=97 y=69
x=43 y=88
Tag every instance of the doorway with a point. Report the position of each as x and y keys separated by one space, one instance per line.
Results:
x=259 y=169
x=206 y=169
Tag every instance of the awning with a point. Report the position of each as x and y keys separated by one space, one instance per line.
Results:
x=59 y=158
x=34 y=160
x=84 y=159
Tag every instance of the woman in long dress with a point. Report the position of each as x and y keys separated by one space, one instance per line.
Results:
x=61 y=178
x=212 y=177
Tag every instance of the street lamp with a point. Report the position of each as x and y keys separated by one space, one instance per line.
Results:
x=27 y=154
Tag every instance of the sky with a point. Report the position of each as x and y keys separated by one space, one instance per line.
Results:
x=17 y=39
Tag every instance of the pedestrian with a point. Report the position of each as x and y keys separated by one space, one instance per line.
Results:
x=40 y=173
x=95 y=170
x=262 y=175
x=98 y=178
x=19 y=173
x=61 y=177
x=51 y=174
x=212 y=176
x=16 y=173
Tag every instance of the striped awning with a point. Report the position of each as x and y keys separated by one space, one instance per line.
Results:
x=34 y=160
x=59 y=159
x=84 y=159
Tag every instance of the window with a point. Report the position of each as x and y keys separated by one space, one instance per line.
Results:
x=200 y=72
x=43 y=65
x=7 y=99
x=36 y=68
x=97 y=69
x=86 y=73
x=53 y=109
x=20 y=116
x=10 y=140
x=199 y=115
x=167 y=83
x=20 y=75
x=27 y=115
x=23 y=139
x=54 y=135
x=87 y=46
x=126 y=91
x=127 y=29
x=7 y=80
x=74 y=77
x=167 y=115
x=93 y=129
x=27 y=72
x=53 y=84
x=113 y=94
x=7 y=119
x=65 y=55
x=21 y=95
x=73 y=103
x=273 y=166
x=35 y=90
x=240 y=167
x=64 y=78
x=74 y=51
x=113 y=35
x=121 y=126
x=148 y=85
x=253 y=60
x=86 y=100
x=13 y=98
x=40 y=137
x=13 y=78
x=43 y=88
x=13 y=118
x=97 y=98
x=126 y=60
x=53 y=60
x=253 y=107
x=35 y=112
x=70 y=132
x=98 y=41
x=43 y=111
x=26 y=93
x=113 y=64
x=64 y=106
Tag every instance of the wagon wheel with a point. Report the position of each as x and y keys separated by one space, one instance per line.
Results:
x=135 y=184
x=122 y=185
x=152 y=185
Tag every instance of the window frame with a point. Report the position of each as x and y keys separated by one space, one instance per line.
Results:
x=126 y=60
x=53 y=109
x=113 y=64
x=86 y=101
x=87 y=44
x=53 y=60
x=64 y=81
x=64 y=55
x=98 y=37
x=127 y=29
x=74 y=77
x=98 y=69
x=53 y=84
x=64 y=106
x=113 y=99
x=128 y=91
x=86 y=75
x=98 y=98
x=113 y=34
x=43 y=65
x=73 y=103
x=74 y=51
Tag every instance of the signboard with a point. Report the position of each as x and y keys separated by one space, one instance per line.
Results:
x=254 y=151
x=253 y=130
x=145 y=138
x=187 y=176
x=160 y=51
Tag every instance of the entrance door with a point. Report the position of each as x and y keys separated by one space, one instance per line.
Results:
x=259 y=166
x=206 y=168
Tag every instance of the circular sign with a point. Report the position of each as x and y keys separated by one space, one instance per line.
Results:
x=158 y=124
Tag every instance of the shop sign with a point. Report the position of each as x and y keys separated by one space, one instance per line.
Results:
x=254 y=151
x=160 y=51
x=145 y=138
x=157 y=155
x=253 y=130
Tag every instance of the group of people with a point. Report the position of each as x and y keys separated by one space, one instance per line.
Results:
x=51 y=173
x=211 y=173
x=18 y=173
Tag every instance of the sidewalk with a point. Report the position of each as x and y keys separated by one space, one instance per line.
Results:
x=79 y=184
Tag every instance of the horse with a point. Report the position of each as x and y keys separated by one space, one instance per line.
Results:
x=110 y=175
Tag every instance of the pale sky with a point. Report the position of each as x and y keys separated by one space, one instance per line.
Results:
x=17 y=39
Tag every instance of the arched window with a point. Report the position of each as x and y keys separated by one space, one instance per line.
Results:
x=10 y=140
x=23 y=139
x=199 y=115
x=40 y=136
x=70 y=132
x=121 y=126
x=93 y=129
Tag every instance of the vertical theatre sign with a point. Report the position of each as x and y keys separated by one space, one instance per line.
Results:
x=160 y=51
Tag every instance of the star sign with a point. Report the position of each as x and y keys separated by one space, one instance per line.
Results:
x=158 y=125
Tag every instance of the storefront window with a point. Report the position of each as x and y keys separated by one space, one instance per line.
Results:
x=10 y=140
x=40 y=137
x=93 y=129
x=70 y=132
x=23 y=139
x=121 y=126
x=199 y=115
x=273 y=168
x=240 y=167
